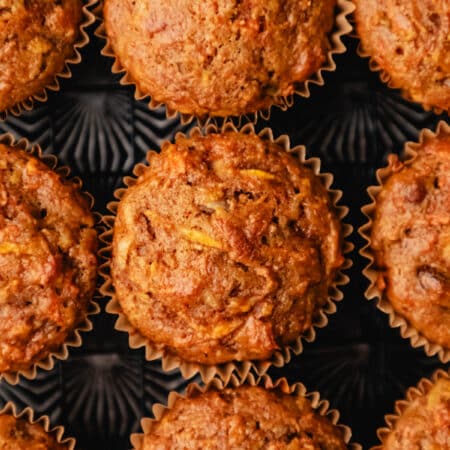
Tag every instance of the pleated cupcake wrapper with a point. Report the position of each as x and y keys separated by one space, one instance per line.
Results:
x=423 y=388
x=225 y=370
x=341 y=28
x=385 y=77
x=74 y=339
x=396 y=320
x=321 y=407
x=28 y=415
x=88 y=18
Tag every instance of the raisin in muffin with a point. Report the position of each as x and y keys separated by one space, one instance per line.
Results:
x=425 y=421
x=36 y=38
x=19 y=434
x=47 y=259
x=247 y=417
x=220 y=58
x=410 y=239
x=410 y=41
x=224 y=249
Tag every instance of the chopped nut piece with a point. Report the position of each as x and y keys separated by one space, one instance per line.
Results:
x=199 y=237
x=224 y=329
x=9 y=247
x=33 y=166
x=440 y=393
x=239 y=305
x=153 y=267
x=258 y=174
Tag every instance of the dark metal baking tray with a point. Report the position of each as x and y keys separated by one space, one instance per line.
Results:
x=357 y=362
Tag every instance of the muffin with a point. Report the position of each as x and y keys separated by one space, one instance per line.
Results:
x=224 y=248
x=245 y=417
x=219 y=58
x=423 y=421
x=20 y=434
x=36 y=38
x=409 y=40
x=410 y=239
x=47 y=260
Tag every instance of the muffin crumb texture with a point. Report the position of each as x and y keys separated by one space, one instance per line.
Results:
x=225 y=248
x=47 y=259
x=19 y=434
x=225 y=57
x=245 y=418
x=410 y=41
x=411 y=240
x=425 y=423
x=36 y=37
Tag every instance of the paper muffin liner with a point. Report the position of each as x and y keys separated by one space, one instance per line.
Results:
x=88 y=18
x=225 y=370
x=320 y=406
x=342 y=27
x=74 y=339
x=423 y=387
x=29 y=415
x=373 y=291
x=384 y=75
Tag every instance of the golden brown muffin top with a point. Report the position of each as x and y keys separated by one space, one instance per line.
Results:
x=36 y=37
x=410 y=40
x=243 y=418
x=411 y=240
x=224 y=248
x=223 y=57
x=425 y=423
x=19 y=434
x=47 y=259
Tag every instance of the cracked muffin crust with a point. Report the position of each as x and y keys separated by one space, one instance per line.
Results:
x=246 y=417
x=36 y=38
x=19 y=434
x=411 y=240
x=425 y=423
x=224 y=249
x=47 y=259
x=410 y=41
x=226 y=57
